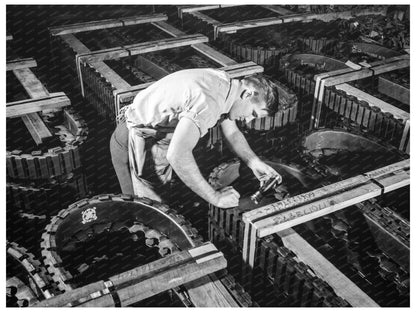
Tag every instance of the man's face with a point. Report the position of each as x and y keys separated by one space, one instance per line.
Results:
x=248 y=109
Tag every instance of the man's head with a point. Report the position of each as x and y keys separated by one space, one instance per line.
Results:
x=257 y=98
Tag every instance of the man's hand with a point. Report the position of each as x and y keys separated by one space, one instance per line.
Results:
x=240 y=146
x=227 y=197
x=263 y=171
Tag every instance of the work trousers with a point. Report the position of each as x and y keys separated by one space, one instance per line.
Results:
x=140 y=161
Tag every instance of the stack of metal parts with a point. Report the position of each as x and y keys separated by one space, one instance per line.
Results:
x=292 y=282
x=357 y=107
x=231 y=27
x=388 y=87
x=64 y=46
x=44 y=149
x=345 y=50
x=27 y=280
x=47 y=169
x=344 y=107
x=116 y=243
x=365 y=40
x=332 y=152
x=377 y=262
x=388 y=226
x=379 y=31
x=264 y=33
x=97 y=80
x=359 y=245
x=207 y=19
x=110 y=78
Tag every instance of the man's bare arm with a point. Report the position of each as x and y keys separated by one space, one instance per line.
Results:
x=238 y=142
x=239 y=145
x=182 y=160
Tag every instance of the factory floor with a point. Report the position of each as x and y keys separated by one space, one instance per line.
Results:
x=29 y=26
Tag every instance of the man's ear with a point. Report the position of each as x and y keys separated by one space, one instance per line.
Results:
x=246 y=94
x=249 y=91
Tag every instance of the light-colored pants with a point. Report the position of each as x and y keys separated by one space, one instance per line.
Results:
x=139 y=153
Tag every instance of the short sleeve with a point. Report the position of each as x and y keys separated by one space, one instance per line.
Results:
x=202 y=110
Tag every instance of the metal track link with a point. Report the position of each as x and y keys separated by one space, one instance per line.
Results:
x=239 y=294
x=102 y=98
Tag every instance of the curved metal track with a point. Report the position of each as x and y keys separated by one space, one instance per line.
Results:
x=46 y=200
x=56 y=161
x=31 y=282
x=107 y=213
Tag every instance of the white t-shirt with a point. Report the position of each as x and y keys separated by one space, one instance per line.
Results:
x=201 y=94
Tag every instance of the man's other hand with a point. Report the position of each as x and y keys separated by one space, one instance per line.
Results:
x=227 y=197
x=263 y=171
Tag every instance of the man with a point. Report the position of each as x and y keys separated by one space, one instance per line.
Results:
x=170 y=116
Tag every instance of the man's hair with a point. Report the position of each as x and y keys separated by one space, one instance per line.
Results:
x=267 y=88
